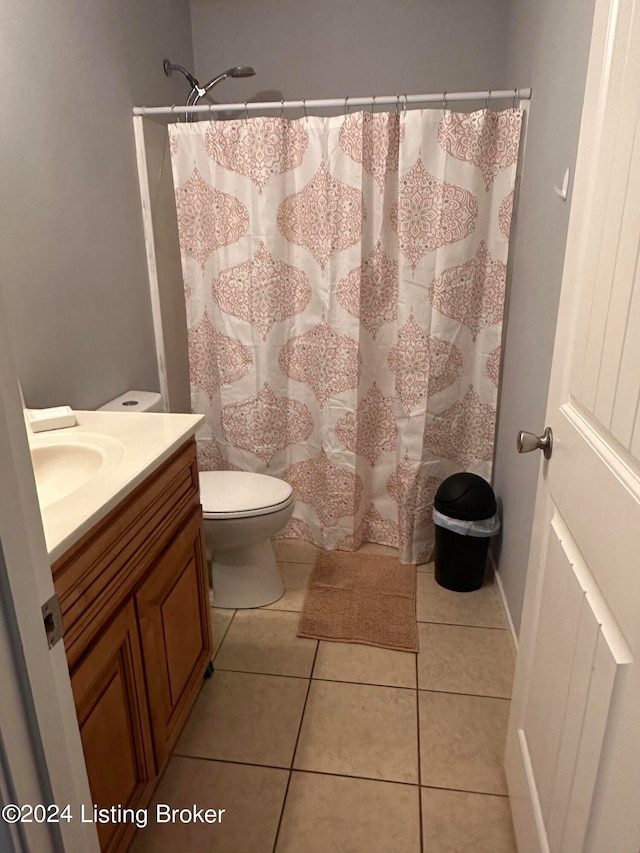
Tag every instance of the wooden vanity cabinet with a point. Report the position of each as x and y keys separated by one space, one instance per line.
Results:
x=134 y=598
x=108 y=688
x=173 y=614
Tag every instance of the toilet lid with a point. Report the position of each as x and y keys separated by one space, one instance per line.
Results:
x=233 y=493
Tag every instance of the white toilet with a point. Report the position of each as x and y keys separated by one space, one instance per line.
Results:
x=242 y=511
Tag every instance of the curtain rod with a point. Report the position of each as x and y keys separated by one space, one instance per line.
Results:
x=398 y=100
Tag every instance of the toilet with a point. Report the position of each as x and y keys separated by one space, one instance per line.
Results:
x=242 y=512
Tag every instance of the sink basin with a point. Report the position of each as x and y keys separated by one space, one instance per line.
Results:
x=63 y=464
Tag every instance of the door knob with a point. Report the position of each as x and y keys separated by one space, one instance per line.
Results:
x=527 y=441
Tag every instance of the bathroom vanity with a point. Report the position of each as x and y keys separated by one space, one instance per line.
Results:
x=133 y=594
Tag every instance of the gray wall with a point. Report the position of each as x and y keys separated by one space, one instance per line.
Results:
x=333 y=48
x=72 y=256
x=548 y=45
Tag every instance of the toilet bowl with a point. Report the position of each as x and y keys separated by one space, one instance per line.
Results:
x=242 y=511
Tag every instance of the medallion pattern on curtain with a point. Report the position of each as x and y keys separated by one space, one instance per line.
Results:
x=345 y=282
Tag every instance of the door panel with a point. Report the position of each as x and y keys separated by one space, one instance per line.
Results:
x=108 y=688
x=173 y=609
x=577 y=654
x=573 y=752
x=182 y=629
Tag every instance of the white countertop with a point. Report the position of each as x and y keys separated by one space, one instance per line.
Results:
x=138 y=443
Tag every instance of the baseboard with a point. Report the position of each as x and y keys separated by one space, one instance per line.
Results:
x=505 y=606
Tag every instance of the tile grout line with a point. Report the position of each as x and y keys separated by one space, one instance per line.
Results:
x=460 y=625
x=364 y=683
x=329 y=680
x=255 y=672
x=293 y=754
x=468 y=791
x=459 y=693
x=340 y=775
x=316 y=772
x=226 y=631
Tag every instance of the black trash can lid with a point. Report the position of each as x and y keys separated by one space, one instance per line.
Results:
x=465 y=496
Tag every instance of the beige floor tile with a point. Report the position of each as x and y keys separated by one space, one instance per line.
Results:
x=479 y=608
x=265 y=641
x=462 y=740
x=220 y=621
x=325 y=813
x=249 y=718
x=296 y=579
x=365 y=665
x=426 y=567
x=295 y=551
x=459 y=659
x=240 y=790
x=374 y=548
x=458 y=822
x=359 y=730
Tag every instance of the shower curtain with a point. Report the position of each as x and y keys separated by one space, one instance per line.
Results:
x=344 y=280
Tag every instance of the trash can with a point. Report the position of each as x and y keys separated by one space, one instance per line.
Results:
x=464 y=512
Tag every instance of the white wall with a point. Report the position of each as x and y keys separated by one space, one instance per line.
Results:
x=164 y=263
x=333 y=48
x=72 y=257
x=548 y=44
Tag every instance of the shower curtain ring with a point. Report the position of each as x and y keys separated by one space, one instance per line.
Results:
x=246 y=111
x=406 y=101
x=444 y=100
x=373 y=103
x=515 y=96
x=346 y=105
x=486 y=103
x=282 y=109
x=397 y=104
x=304 y=107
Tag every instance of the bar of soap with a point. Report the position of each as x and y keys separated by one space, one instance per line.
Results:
x=41 y=420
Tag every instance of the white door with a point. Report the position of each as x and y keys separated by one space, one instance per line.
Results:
x=573 y=746
x=41 y=759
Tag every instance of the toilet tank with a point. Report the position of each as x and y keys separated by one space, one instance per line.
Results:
x=134 y=401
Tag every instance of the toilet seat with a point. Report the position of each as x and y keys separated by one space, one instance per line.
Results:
x=242 y=494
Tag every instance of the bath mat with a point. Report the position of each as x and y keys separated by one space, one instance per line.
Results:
x=361 y=598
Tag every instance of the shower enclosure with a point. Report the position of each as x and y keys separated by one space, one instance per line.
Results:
x=344 y=314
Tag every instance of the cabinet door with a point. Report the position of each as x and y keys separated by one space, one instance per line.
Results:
x=109 y=693
x=173 y=612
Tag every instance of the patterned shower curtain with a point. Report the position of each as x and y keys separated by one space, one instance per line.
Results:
x=345 y=282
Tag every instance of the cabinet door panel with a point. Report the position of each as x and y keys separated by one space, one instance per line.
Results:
x=108 y=688
x=173 y=610
x=182 y=629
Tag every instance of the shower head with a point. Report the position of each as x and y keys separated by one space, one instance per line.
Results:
x=238 y=71
x=198 y=91
x=241 y=71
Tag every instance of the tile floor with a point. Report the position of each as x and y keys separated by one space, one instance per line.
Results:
x=314 y=746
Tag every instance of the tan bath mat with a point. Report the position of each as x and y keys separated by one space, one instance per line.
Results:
x=361 y=598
